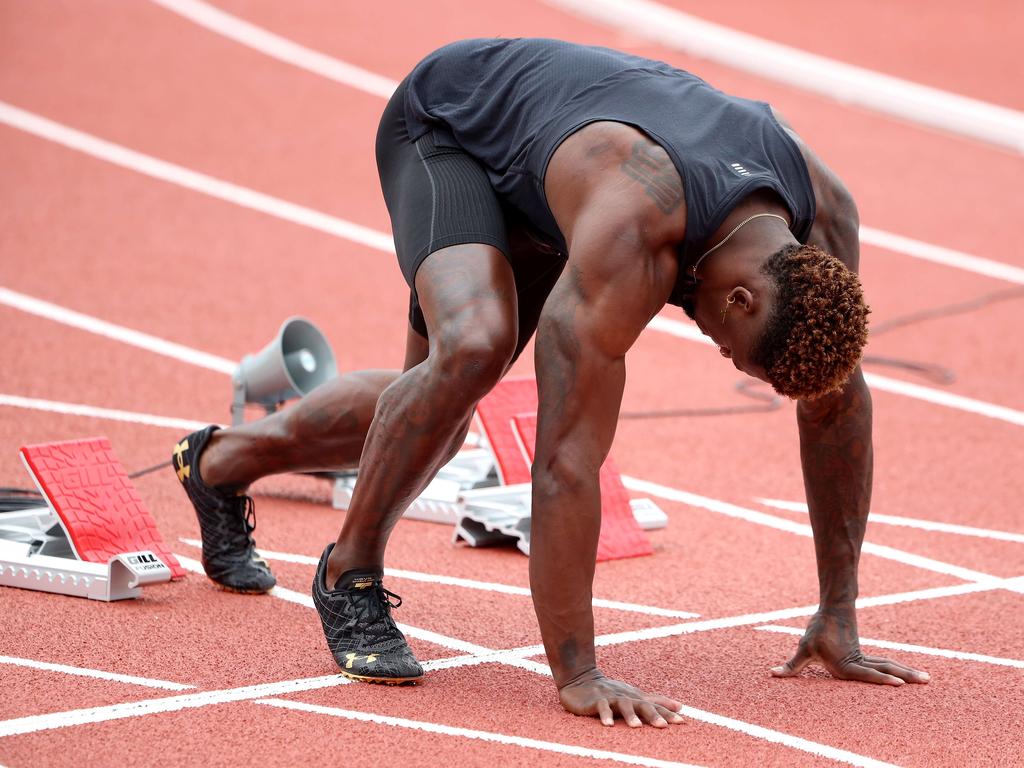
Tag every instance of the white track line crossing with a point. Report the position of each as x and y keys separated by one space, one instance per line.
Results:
x=88 y=411
x=318 y=63
x=98 y=674
x=907 y=647
x=844 y=82
x=275 y=46
x=800 y=529
x=66 y=316
x=911 y=522
x=426 y=635
x=468 y=733
x=486 y=586
x=35 y=723
x=197 y=182
x=1015 y=584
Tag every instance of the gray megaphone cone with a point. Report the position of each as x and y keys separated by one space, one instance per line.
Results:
x=295 y=362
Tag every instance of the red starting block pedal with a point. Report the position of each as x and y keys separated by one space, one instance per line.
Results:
x=508 y=416
x=99 y=508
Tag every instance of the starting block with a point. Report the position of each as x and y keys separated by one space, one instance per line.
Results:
x=486 y=492
x=93 y=538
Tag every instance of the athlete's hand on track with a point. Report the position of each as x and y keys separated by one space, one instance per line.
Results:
x=595 y=695
x=831 y=640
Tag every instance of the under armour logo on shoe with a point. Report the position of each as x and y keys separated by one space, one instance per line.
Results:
x=354 y=657
x=183 y=469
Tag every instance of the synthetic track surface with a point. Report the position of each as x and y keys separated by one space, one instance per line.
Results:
x=152 y=256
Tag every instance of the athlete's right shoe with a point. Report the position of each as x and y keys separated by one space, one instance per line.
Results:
x=362 y=636
x=226 y=522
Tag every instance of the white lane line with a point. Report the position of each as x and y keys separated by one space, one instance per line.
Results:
x=843 y=82
x=800 y=529
x=60 y=314
x=882 y=383
x=35 y=723
x=911 y=522
x=939 y=255
x=454 y=581
x=136 y=709
x=275 y=46
x=468 y=733
x=89 y=411
x=1015 y=584
x=184 y=177
x=659 y=323
x=342 y=72
x=98 y=674
x=426 y=635
x=785 y=739
x=907 y=647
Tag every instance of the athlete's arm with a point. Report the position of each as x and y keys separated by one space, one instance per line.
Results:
x=836 y=458
x=619 y=274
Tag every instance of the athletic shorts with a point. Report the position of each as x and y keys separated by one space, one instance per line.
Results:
x=439 y=196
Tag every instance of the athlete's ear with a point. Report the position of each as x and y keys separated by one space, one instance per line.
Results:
x=741 y=298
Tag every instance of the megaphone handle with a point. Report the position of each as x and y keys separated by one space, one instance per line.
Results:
x=238 y=401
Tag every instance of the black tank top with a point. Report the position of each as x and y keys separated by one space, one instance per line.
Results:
x=510 y=103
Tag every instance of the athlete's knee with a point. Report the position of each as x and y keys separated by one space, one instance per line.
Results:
x=473 y=358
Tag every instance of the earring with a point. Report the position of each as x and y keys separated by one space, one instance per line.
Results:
x=728 y=303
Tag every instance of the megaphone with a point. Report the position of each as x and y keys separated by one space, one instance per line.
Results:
x=295 y=362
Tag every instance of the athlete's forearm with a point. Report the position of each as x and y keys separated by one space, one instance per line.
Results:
x=566 y=522
x=836 y=457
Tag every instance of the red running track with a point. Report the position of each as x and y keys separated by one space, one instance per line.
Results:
x=153 y=256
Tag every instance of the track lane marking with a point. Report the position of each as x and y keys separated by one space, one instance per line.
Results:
x=280 y=48
x=911 y=522
x=800 y=529
x=92 y=412
x=660 y=323
x=455 y=581
x=90 y=324
x=72 y=138
x=97 y=674
x=909 y=648
x=875 y=381
x=845 y=83
x=468 y=733
x=197 y=182
x=426 y=635
x=55 y=720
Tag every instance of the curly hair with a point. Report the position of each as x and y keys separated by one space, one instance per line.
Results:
x=817 y=329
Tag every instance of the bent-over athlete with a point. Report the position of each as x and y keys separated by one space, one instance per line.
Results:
x=572 y=191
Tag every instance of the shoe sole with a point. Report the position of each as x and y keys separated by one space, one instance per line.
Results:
x=382 y=680
x=238 y=591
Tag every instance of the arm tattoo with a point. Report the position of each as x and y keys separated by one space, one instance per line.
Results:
x=651 y=166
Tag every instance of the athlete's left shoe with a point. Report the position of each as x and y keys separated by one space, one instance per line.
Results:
x=226 y=522
x=362 y=636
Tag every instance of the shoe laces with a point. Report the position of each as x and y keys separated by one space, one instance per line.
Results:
x=373 y=610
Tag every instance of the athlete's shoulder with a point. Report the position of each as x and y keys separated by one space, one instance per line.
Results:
x=622 y=171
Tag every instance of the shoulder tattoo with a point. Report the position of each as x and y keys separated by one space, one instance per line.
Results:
x=651 y=166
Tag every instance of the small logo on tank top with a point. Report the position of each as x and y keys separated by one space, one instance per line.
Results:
x=739 y=169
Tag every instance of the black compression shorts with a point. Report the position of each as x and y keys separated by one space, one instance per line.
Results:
x=439 y=196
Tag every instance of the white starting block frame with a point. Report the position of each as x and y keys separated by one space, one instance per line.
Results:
x=467 y=493
x=36 y=554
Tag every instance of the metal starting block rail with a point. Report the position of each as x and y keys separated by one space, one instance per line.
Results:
x=486 y=495
x=93 y=538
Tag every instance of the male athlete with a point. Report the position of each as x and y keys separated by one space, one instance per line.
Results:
x=537 y=185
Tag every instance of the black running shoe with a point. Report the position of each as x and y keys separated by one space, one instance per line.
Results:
x=360 y=632
x=226 y=522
